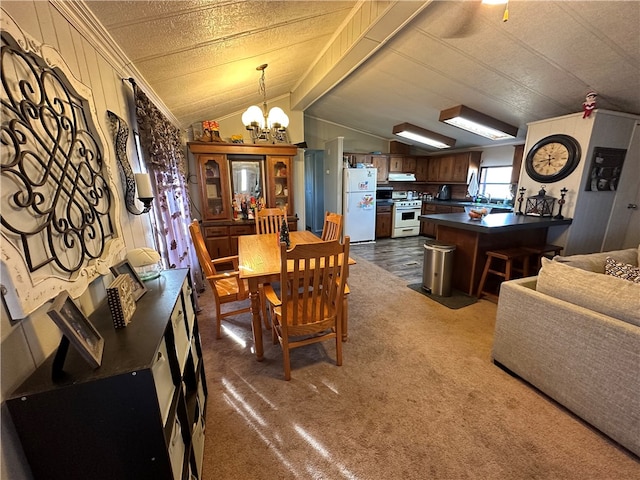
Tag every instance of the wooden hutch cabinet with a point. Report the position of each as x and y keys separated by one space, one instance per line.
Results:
x=214 y=188
x=226 y=170
x=140 y=414
x=279 y=183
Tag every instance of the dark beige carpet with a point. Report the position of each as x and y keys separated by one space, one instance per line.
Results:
x=417 y=398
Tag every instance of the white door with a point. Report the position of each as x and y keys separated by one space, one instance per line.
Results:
x=623 y=230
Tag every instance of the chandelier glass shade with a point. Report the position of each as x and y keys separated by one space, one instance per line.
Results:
x=264 y=125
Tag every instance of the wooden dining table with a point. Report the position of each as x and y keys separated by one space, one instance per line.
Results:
x=259 y=263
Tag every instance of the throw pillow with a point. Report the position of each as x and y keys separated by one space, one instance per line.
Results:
x=622 y=270
x=604 y=294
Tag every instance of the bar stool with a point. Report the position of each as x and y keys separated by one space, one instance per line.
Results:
x=508 y=256
x=547 y=250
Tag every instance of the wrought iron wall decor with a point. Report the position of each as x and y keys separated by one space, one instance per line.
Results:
x=120 y=131
x=56 y=200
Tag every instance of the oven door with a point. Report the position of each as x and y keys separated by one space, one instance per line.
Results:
x=406 y=222
x=407 y=217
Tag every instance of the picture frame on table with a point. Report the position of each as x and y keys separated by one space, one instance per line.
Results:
x=139 y=288
x=77 y=329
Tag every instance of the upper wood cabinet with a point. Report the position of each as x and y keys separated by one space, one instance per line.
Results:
x=402 y=163
x=453 y=168
x=422 y=169
x=518 y=153
x=381 y=162
x=409 y=164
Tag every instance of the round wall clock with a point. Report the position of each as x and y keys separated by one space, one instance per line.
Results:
x=553 y=158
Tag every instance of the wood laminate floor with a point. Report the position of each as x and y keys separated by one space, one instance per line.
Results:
x=401 y=256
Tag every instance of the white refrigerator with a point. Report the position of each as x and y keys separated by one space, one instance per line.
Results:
x=359 y=203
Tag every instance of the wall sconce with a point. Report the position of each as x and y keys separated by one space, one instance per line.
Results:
x=145 y=193
x=478 y=123
x=129 y=179
x=418 y=134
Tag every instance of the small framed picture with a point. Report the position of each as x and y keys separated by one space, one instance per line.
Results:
x=77 y=328
x=138 y=285
x=606 y=167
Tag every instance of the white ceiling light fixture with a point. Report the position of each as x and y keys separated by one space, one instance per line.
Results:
x=266 y=125
x=419 y=134
x=478 y=123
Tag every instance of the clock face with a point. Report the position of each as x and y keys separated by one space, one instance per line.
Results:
x=553 y=158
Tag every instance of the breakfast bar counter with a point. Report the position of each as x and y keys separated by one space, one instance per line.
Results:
x=473 y=238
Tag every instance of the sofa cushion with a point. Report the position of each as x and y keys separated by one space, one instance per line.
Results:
x=594 y=262
x=622 y=270
x=604 y=294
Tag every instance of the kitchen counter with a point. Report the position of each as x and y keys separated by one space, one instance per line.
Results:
x=494 y=223
x=473 y=238
x=467 y=203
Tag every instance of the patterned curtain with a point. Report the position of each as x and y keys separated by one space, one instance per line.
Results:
x=164 y=155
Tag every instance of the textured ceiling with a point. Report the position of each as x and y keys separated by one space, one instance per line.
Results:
x=370 y=65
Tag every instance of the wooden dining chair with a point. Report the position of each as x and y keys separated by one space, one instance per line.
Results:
x=332 y=230
x=332 y=227
x=312 y=312
x=226 y=284
x=269 y=220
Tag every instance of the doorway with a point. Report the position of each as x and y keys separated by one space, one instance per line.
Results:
x=314 y=190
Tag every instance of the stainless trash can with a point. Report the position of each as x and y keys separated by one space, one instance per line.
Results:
x=437 y=268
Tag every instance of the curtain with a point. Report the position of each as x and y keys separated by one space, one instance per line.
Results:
x=164 y=155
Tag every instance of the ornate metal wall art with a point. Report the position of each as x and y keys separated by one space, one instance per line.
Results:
x=56 y=195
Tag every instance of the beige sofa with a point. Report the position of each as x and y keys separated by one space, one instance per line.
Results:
x=574 y=333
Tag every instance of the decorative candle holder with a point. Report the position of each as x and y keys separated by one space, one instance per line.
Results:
x=520 y=200
x=561 y=202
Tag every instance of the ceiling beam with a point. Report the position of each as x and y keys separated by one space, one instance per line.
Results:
x=370 y=25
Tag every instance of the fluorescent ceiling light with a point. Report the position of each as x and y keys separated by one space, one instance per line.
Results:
x=478 y=123
x=418 y=134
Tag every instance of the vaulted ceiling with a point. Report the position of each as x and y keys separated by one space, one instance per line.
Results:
x=369 y=65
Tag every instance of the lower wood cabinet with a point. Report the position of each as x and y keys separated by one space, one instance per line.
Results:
x=140 y=415
x=221 y=238
x=383 y=221
x=429 y=228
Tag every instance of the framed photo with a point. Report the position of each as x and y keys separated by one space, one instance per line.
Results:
x=77 y=328
x=606 y=166
x=138 y=286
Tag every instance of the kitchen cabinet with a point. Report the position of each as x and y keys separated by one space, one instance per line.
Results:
x=378 y=160
x=383 y=221
x=381 y=162
x=402 y=163
x=228 y=171
x=141 y=414
x=395 y=163
x=433 y=168
x=453 y=168
x=429 y=228
x=422 y=169
x=518 y=153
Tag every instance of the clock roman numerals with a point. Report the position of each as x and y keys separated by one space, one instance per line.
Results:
x=553 y=158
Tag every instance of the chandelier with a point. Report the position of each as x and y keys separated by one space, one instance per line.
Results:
x=268 y=127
